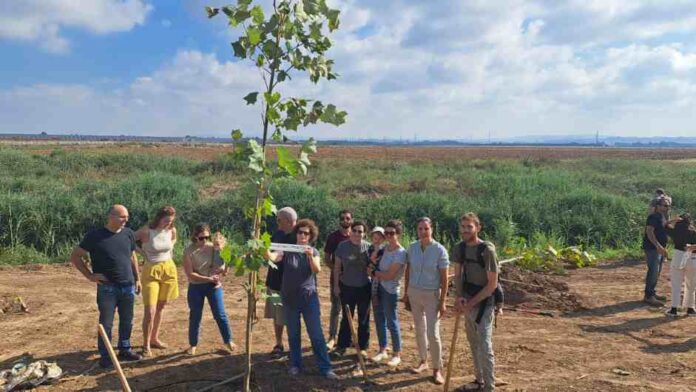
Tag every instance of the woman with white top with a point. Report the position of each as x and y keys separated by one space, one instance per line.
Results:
x=389 y=272
x=427 y=263
x=159 y=276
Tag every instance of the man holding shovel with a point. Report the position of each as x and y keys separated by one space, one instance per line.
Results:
x=476 y=277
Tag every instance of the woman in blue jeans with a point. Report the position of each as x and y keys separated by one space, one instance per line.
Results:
x=204 y=269
x=299 y=295
x=389 y=273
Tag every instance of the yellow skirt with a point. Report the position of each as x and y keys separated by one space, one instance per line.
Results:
x=160 y=282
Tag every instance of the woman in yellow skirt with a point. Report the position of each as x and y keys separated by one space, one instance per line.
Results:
x=159 y=275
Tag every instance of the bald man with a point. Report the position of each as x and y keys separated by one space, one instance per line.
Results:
x=114 y=268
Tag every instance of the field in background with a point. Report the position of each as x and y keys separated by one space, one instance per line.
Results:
x=51 y=194
x=602 y=338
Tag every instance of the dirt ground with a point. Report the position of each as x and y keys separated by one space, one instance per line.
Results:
x=612 y=343
x=206 y=151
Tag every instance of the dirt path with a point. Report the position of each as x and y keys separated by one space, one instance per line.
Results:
x=576 y=351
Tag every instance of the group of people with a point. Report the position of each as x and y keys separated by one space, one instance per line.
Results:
x=113 y=266
x=658 y=229
x=366 y=277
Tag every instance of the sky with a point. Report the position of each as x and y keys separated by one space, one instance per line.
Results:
x=408 y=69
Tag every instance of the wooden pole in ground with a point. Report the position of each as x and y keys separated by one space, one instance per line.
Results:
x=453 y=348
x=107 y=342
x=356 y=344
x=221 y=383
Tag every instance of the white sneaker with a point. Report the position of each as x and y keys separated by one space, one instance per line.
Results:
x=331 y=375
x=380 y=357
x=394 y=362
x=363 y=353
x=420 y=368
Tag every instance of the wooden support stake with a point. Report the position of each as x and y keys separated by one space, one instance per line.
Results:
x=453 y=348
x=107 y=342
x=356 y=344
x=221 y=383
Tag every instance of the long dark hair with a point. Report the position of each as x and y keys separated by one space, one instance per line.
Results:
x=685 y=224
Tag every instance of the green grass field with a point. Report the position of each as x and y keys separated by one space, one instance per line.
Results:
x=48 y=201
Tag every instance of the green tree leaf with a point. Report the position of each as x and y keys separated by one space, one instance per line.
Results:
x=239 y=50
x=251 y=98
x=257 y=14
x=310 y=146
x=236 y=134
x=254 y=35
x=211 y=11
x=272 y=98
x=286 y=161
x=332 y=15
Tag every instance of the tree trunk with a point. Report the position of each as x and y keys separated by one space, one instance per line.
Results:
x=251 y=294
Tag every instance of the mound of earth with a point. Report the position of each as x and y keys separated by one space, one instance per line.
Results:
x=537 y=290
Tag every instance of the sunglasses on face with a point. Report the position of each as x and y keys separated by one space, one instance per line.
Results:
x=303 y=232
x=203 y=238
x=389 y=233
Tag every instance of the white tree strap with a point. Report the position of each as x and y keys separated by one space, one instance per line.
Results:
x=277 y=247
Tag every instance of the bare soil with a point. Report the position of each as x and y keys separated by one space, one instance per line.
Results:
x=603 y=338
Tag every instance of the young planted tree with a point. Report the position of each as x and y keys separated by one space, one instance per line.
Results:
x=283 y=40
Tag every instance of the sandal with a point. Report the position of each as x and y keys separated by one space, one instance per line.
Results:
x=277 y=350
x=159 y=345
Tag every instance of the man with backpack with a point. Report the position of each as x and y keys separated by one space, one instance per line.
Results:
x=476 y=282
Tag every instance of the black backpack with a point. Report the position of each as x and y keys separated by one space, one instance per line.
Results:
x=471 y=289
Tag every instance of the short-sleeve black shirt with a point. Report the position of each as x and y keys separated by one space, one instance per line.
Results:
x=110 y=254
x=657 y=221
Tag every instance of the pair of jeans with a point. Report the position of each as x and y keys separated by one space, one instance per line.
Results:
x=308 y=309
x=197 y=293
x=654 y=260
x=386 y=316
x=109 y=298
x=480 y=336
x=355 y=297
x=335 y=309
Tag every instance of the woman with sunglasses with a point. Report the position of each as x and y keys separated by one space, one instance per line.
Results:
x=205 y=269
x=352 y=282
x=388 y=274
x=300 y=298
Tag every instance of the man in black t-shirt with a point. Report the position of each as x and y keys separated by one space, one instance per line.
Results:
x=654 y=243
x=287 y=218
x=114 y=268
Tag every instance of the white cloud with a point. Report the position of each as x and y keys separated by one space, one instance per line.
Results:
x=455 y=70
x=42 y=21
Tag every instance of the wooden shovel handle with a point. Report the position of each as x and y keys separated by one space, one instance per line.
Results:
x=107 y=342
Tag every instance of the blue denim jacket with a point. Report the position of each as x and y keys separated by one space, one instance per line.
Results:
x=425 y=266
